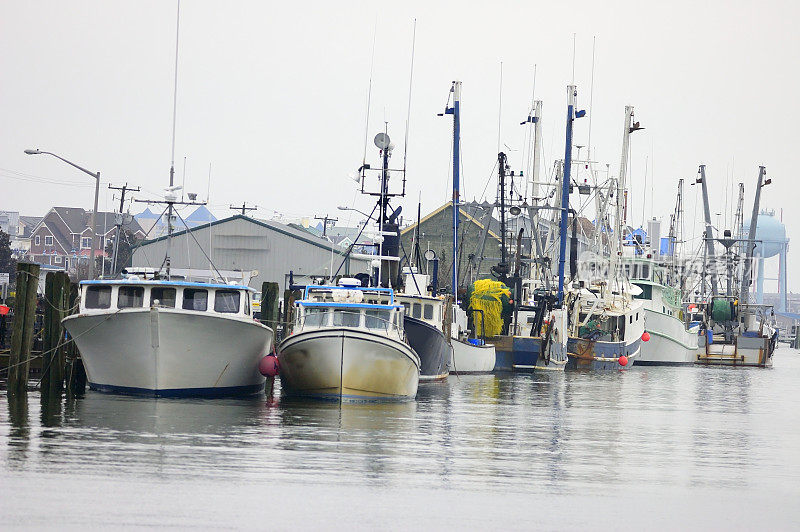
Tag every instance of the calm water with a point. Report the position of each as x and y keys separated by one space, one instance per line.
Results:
x=663 y=448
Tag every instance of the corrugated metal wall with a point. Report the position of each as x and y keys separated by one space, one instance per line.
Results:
x=240 y=243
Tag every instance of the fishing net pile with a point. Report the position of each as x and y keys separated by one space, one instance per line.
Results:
x=490 y=297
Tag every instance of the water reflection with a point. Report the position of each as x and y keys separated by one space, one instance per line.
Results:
x=558 y=434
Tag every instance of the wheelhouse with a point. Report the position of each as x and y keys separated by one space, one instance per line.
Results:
x=105 y=296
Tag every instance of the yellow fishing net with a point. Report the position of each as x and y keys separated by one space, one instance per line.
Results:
x=487 y=295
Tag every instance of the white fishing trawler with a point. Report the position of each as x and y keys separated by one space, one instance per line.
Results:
x=673 y=338
x=169 y=338
x=162 y=336
x=348 y=343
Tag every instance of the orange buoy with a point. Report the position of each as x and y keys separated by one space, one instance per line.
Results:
x=623 y=361
x=268 y=366
x=646 y=337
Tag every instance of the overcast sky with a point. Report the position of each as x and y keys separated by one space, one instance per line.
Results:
x=273 y=97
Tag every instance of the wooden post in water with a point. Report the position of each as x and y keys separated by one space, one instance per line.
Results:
x=22 y=332
x=269 y=305
x=75 y=372
x=269 y=317
x=57 y=298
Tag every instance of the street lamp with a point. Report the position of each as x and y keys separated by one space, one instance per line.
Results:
x=95 y=175
x=342 y=208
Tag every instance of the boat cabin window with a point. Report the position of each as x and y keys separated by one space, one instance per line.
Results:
x=377 y=319
x=647 y=291
x=195 y=299
x=416 y=310
x=314 y=317
x=407 y=306
x=645 y=271
x=346 y=318
x=130 y=297
x=98 y=297
x=247 y=303
x=227 y=301
x=428 y=311
x=162 y=297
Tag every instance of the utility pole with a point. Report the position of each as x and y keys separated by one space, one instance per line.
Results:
x=119 y=218
x=244 y=208
x=325 y=219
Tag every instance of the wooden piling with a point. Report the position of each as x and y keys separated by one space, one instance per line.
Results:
x=57 y=292
x=75 y=372
x=22 y=332
x=269 y=305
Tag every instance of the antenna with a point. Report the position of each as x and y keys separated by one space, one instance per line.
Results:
x=183 y=183
x=369 y=90
x=500 y=108
x=591 y=94
x=410 y=82
x=573 y=59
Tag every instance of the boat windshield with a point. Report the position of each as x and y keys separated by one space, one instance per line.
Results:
x=98 y=297
x=346 y=318
x=162 y=297
x=226 y=301
x=377 y=319
x=130 y=297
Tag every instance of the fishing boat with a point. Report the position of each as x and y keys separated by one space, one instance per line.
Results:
x=606 y=322
x=673 y=337
x=470 y=355
x=424 y=320
x=168 y=338
x=735 y=331
x=348 y=343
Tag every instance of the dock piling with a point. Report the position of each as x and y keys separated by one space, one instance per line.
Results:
x=22 y=332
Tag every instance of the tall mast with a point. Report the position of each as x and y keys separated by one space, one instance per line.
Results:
x=456 y=112
x=171 y=194
x=629 y=127
x=709 y=232
x=751 y=237
x=565 y=181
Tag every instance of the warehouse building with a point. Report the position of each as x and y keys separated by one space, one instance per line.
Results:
x=244 y=244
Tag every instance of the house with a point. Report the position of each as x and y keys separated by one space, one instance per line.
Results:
x=63 y=237
x=480 y=240
x=268 y=249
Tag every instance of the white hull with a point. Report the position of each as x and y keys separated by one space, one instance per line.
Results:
x=342 y=363
x=468 y=358
x=170 y=351
x=670 y=343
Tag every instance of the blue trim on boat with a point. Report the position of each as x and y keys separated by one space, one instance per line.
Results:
x=229 y=391
x=332 y=304
x=157 y=282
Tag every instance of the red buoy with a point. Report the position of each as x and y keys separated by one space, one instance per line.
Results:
x=268 y=366
x=623 y=360
x=646 y=337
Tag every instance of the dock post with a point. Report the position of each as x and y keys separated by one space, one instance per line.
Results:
x=57 y=290
x=269 y=305
x=22 y=332
x=75 y=372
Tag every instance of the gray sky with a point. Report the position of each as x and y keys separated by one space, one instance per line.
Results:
x=273 y=96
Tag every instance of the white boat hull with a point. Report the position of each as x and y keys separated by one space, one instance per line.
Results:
x=166 y=352
x=350 y=364
x=670 y=343
x=468 y=358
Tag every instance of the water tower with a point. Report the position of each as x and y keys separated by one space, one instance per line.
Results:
x=771 y=241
